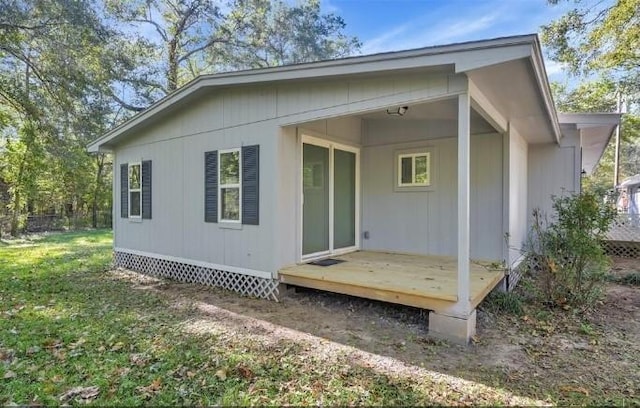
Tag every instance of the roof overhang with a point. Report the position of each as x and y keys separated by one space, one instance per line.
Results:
x=595 y=130
x=460 y=58
x=631 y=182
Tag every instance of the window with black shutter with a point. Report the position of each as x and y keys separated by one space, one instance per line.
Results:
x=135 y=190
x=146 y=189
x=250 y=184
x=124 y=190
x=211 y=186
x=231 y=185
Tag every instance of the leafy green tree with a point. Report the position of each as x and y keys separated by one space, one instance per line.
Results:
x=70 y=70
x=57 y=65
x=275 y=33
x=182 y=30
x=600 y=36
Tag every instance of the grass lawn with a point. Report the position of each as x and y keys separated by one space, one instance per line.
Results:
x=72 y=331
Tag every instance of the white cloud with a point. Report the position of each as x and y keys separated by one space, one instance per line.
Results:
x=386 y=41
x=419 y=33
x=554 y=68
x=329 y=6
x=459 y=30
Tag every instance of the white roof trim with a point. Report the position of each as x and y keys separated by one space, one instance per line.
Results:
x=418 y=58
x=596 y=130
x=543 y=83
x=631 y=181
x=584 y=120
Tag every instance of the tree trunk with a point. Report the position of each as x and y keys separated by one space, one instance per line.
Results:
x=15 y=215
x=172 y=72
x=96 y=191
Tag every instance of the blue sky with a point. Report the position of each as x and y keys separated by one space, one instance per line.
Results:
x=388 y=25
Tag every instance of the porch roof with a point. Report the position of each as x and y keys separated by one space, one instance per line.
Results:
x=595 y=130
x=472 y=58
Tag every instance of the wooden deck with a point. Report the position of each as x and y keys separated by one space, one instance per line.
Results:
x=428 y=282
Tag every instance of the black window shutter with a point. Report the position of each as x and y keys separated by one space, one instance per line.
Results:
x=124 y=190
x=146 y=189
x=211 y=186
x=250 y=184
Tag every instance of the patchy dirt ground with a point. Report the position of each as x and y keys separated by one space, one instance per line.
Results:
x=544 y=354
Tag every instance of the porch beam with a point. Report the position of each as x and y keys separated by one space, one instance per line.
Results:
x=486 y=109
x=464 y=177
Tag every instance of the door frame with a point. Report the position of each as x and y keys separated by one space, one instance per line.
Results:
x=307 y=138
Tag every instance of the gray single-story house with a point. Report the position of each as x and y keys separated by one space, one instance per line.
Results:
x=394 y=176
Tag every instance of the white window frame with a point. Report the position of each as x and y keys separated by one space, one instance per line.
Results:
x=319 y=139
x=413 y=156
x=237 y=185
x=134 y=190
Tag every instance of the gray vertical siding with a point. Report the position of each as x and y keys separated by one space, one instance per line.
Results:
x=425 y=222
x=176 y=148
x=553 y=170
x=248 y=116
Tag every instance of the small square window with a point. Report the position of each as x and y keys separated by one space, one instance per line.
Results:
x=414 y=169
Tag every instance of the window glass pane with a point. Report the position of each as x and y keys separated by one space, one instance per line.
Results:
x=422 y=170
x=315 y=212
x=344 y=199
x=230 y=202
x=229 y=168
x=405 y=165
x=313 y=175
x=134 y=176
x=134 y=200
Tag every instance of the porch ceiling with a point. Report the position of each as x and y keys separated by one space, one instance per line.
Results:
x=512 y=89
x=443 y=111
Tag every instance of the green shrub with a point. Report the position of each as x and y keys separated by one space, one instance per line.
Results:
x=505 y=302
x=632 y=279
x=568 y=261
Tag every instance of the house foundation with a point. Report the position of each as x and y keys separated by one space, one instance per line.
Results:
x=455 y=329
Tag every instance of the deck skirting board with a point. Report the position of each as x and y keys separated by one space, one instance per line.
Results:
x=185 y=271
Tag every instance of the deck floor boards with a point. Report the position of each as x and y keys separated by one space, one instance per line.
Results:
x=423 y=281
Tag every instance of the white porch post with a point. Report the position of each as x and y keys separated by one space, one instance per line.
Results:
x=458 y=323
x=464 y=172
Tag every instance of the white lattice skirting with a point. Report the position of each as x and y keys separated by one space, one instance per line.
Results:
x=623 y=239
x=184 y=272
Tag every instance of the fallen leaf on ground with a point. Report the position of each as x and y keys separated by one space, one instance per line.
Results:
x=153 y=388
x=571 y=388
x=85 y=393
x=33 y=350
x=221 y=374
x=244 y=372
x=9 y=374
x=138 y=359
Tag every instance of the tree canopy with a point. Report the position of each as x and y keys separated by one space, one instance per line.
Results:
x=70 y=70
x=599 y=43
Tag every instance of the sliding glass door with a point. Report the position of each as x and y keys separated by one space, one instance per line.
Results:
x=329 y=201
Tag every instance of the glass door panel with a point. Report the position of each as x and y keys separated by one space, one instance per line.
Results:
x=344 y=199
x=315 y=207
